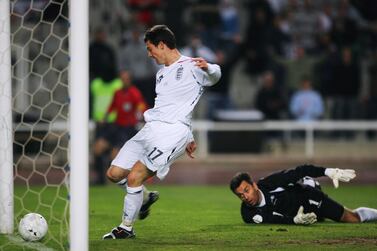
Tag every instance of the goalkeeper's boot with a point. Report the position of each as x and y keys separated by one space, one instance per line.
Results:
x=145 y=208
x=119 y=233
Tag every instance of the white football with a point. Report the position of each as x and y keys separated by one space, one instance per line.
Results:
x=32 y=227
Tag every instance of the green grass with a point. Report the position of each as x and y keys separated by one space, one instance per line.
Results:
x=207 y=218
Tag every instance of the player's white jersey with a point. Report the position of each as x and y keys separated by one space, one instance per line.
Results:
x=178 y=89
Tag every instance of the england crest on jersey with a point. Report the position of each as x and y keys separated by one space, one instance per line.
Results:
x=160 y=78
x=179 y=73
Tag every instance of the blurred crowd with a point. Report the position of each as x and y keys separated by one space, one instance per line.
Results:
x=306 y=60
x=285 y=59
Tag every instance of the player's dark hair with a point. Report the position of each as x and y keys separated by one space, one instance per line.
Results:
x=237 y=179
x=160 y=33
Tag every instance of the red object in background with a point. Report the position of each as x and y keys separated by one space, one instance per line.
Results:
x=125 y=103
x=144 y=10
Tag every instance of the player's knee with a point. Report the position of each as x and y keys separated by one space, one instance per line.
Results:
x=114 y=175
x=138 y=175
x=134 y=180
x=110 y=175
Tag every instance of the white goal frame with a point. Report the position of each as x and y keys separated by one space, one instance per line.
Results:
x=79 y=124
x=78 y=117
x=6 y=134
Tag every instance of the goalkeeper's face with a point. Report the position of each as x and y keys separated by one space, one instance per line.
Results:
x=248 y=193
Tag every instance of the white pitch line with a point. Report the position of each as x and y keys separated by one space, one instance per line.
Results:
x=34 y=245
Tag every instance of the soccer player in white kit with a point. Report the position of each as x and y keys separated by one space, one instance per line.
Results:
x=167 y=133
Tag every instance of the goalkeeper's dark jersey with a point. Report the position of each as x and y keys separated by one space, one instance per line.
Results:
x=284 y=194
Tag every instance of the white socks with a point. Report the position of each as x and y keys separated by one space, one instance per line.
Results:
x=123 y=184
x=132 y=204
x=135 y=198
x=366 y=213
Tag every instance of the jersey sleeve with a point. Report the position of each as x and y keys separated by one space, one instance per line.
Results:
x=209 y=77
x=256 y=215
x=291 y=176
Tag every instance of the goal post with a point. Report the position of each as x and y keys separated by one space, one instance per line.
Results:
x=79 y=124
x=6 y=132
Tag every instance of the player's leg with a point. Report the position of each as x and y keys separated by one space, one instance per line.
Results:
x=160 y=160
x=323 y=206
x=118 y=175
x=134 y=198
x=333 y=210
x=125 y=158
x=366 y=214
x=132 y=201
x=350 y=216
x=361 y=214
x=99 y=149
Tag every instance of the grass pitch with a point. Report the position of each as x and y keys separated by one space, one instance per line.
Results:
x=205 y=218
x=208 y=218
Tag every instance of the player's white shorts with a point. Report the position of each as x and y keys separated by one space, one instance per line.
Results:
x=156 y=145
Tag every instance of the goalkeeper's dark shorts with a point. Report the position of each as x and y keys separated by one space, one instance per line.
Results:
x=322 y=205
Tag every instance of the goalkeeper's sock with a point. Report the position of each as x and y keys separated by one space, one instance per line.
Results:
x=132 y=204
x=366 y=214
x=123 y=184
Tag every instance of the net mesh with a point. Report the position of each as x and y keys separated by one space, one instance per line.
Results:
x=40 y=60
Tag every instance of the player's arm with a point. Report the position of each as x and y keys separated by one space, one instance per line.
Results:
x=254 y=215
x=205 y=73
x=291 y=176
x=191 y=147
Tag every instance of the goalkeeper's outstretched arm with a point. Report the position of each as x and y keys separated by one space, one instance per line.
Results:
x=258 y=216
x=286 y=177
x=336 y=175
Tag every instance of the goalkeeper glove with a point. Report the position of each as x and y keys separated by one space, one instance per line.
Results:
x=304 y=219
x=337 y=174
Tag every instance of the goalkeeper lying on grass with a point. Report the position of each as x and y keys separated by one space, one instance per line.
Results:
x=293 y=197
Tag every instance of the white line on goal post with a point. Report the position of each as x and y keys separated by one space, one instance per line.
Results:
x=6 y=138
x=79 y=124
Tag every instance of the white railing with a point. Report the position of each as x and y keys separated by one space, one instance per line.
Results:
x=202 y=127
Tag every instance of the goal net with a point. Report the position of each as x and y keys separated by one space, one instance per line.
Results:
x=40 y=119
